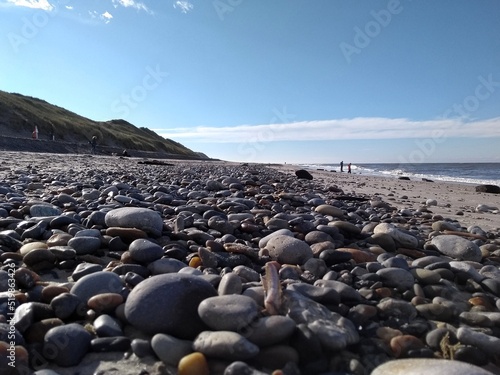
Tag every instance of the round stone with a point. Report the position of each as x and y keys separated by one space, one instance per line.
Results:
x=327 y=209
x=145 y=251
x=135 y=217
x=289 y=250
x=66 y=345
x=168 y=303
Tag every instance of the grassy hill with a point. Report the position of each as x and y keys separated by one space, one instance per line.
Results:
x=19 y=114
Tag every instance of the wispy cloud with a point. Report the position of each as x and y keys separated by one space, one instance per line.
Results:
x=131 y=4
x=106 y=17
x=183 y=6
x=34 y=4
x=340 y=129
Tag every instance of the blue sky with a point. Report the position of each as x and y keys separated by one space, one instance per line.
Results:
x=295 y=81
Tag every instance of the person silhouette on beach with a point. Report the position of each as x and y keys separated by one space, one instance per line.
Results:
x=93 y=144
x=349 y=168
x=342 y=166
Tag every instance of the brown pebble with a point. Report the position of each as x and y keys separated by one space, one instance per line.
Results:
x=59 y=239
x=26 y=248
x=105 y=302
x=193 y=364
x=412 y=253
x=383 y=292
x=126 y=258
x=401 y=345
x=51 y=291
x=481 y=301
x=388 y=333
x=359 y=256
x=127 y=235
x=20 y=352
x=37 y=256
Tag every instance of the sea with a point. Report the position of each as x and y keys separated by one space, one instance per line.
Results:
x=467 y=173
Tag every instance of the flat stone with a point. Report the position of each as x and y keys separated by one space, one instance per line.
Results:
x=457 y=247
x=327 y=209
x=401 y=238
x=333 y=330
x=135 y=217
x=226 y=345
x=228 y=313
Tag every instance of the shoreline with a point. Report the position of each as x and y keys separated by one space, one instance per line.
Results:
x=452 y=197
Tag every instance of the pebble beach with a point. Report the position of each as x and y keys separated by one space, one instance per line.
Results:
x=115 y=265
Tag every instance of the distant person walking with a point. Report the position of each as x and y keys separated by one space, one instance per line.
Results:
x=93 y=144
x=342 y=166
x=349 y=168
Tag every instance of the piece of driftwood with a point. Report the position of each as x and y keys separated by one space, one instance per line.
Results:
x=155 y=162
x=349 y=198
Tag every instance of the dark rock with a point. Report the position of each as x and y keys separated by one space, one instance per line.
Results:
x=66 y=345
x=303 y=174
x=493 y=189
x=110 y=344
x=168 y=304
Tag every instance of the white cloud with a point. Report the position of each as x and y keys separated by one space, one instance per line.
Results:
x=131 y=4
x=183 y=6
x=69 y=7
x=34 y=4
x=106 y=16
x=340 y=129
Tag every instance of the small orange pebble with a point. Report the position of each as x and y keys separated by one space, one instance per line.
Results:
x=193 y=364
x=481 y=301
x=195 y=262
x=359 y=256
x=383 y=292
x=401 y=345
